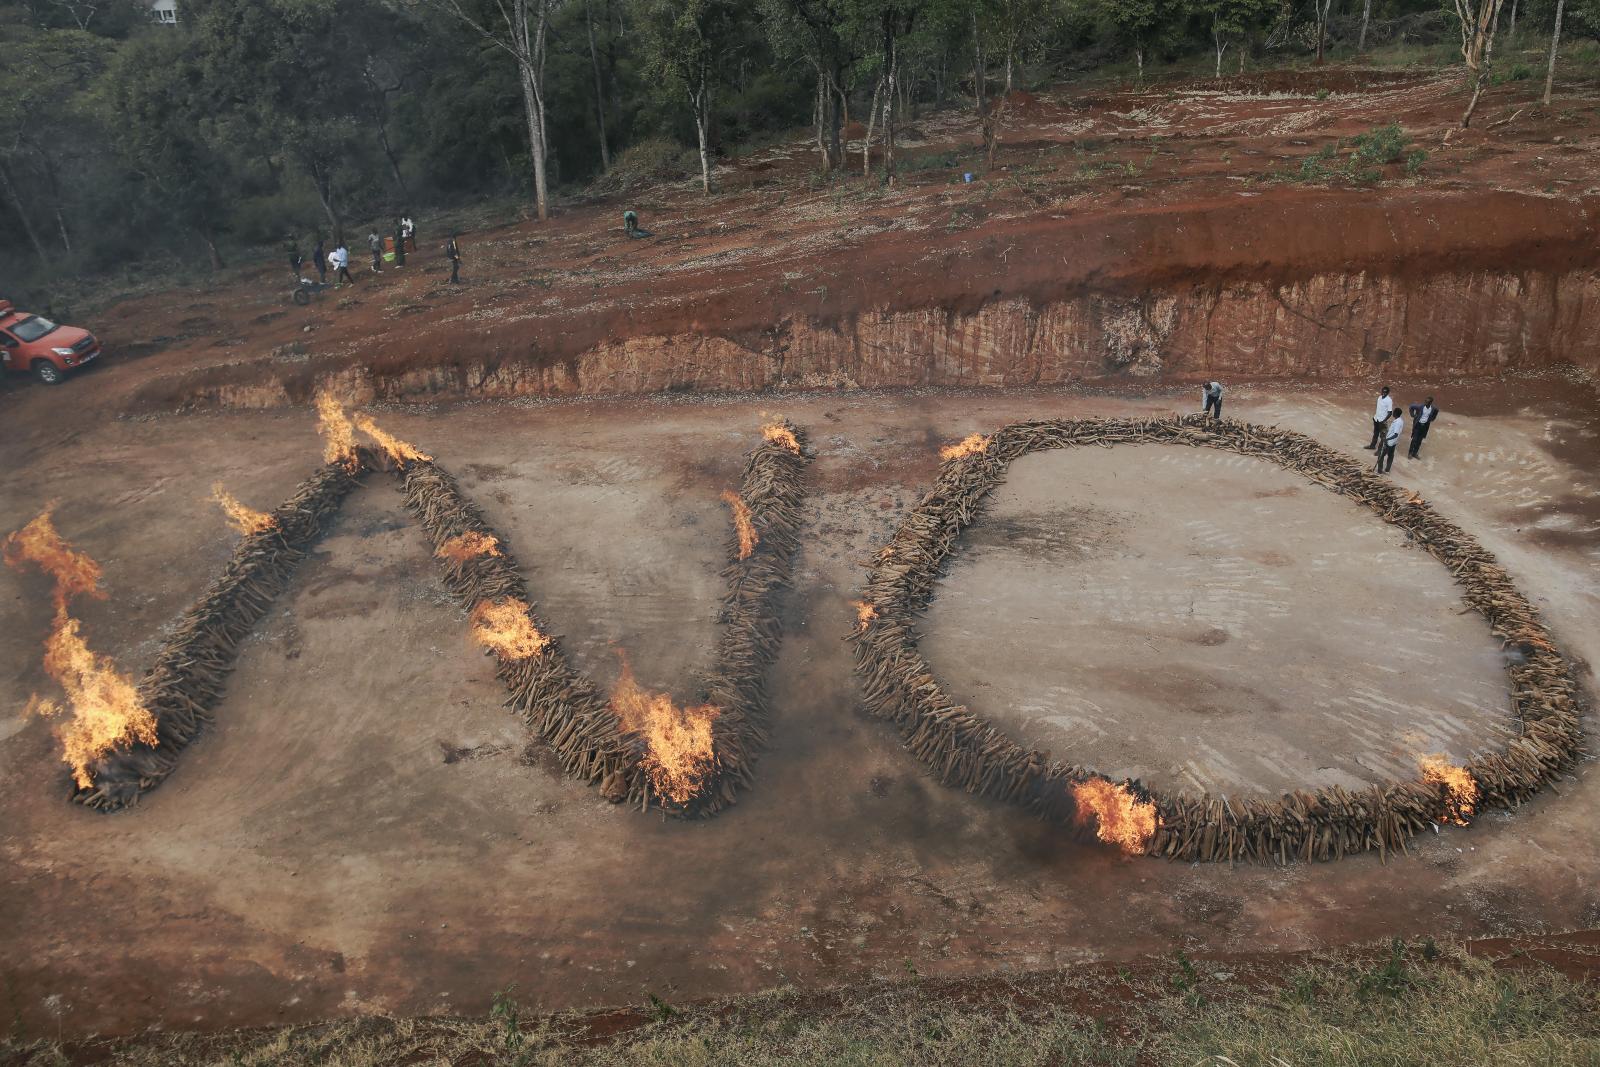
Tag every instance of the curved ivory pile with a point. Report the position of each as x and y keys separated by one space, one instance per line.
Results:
x=964 y=750
x=556 y=701
x=562 y=705
x=192 y=667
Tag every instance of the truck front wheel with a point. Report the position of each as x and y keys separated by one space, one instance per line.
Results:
x=47 y=372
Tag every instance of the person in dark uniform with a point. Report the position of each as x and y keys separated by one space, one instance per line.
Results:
x=1212 y=393
x=1422 y=416
x=631 y=227
x=296 y=260
x=319 y=259
x=399 y=243
x=453 y=251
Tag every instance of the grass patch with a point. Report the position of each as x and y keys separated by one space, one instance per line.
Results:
x=1412 y=1004
x=1359 y=160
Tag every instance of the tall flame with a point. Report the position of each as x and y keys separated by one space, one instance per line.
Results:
x=779 y=434
x=106 y=712
x=679 y=754
x=245 y=519
x=463 y=547
x=969 y=445
x=39 y=543
x=505 y=627
x=748 y=538
x=398 y=450
x=1120 y=817
x=338 y=436
x=1460 y=788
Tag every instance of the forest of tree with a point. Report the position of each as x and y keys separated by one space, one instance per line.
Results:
x=123 y=141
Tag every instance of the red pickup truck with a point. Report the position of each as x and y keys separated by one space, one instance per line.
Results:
x=33 y=345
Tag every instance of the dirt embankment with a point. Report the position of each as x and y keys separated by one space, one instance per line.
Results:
x=1294 y=285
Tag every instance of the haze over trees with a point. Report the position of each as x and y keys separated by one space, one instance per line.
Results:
x=253 y=122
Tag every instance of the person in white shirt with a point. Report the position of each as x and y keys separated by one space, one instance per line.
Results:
x=1422 y=416
x=1391 y=439
x=340 y=262
x=1380 y=417
x=1211 y=392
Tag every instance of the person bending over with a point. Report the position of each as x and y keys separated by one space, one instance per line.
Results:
x=1212 y=392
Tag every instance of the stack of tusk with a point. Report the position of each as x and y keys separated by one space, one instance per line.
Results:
x=191 y=669
x=562 y=706
x=963 y=750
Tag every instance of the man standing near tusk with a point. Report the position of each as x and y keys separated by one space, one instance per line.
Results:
x=1380 y=417
x=1422 y=416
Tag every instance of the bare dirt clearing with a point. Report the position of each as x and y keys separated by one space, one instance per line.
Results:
x=366 y=828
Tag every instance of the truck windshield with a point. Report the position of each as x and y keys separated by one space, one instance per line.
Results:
x=32 y=328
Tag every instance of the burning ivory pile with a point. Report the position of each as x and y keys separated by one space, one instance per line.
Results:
x=639 y=748
x=121 y=740
x=188 y=676
x=963 y=750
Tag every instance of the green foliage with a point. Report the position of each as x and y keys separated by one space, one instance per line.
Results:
x=1366 y=154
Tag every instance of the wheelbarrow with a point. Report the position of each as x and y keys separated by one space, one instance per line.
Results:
x=307 y=289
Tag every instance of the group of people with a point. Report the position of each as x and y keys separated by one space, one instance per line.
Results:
x=1388 y=425
x=338 y=260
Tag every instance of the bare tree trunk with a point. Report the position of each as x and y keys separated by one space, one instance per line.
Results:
x=211 y=248
x=322 y=178
x=1221 y=45
x=1555 y=46
x=55 y=201
x=1138 y=57
x=394 y=164
x=872 y=118
x=700 y=100
x=1366 y=16
x=889 y=115
x=1011 y=56
x=1322 y=7
x=1513 y=30
x=819 y=121
x=22 y=216
x=1479 y=18
x=599 y=87
x=529 y=52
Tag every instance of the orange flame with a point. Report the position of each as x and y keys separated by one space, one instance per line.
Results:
x=398 y=450
x=678 y=740
x=865 y=613
x=106 y=710
x=969 y=445
x=246 y=520
x=504 y=627
x=779 y=434
x=748 y=538
x=1460 y=788
x=339 y=437
x=39 y=543
x=463 y=547
x=1120 y=817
